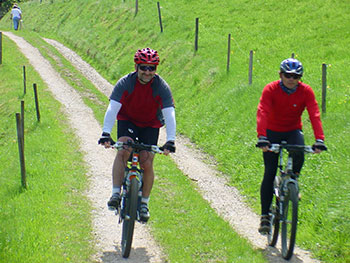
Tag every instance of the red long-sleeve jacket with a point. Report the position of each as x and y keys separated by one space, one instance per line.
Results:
x=281 y=112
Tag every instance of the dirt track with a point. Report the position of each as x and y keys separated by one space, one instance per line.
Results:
x=213 y=187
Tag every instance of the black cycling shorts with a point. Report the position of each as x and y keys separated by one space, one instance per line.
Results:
x=146 y=135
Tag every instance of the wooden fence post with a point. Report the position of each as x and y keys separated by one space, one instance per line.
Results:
x=160 y=18
x=21 y=150
x=24 y=81
x=324 y=87
x=0 y=48
x=250 y=67
x=36 y=102
x=136 y=7
x=22 y=121
x=196 y=35
x=228 y=52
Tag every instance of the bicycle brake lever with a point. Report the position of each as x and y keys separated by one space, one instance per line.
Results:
x=157 y=149
x=274 y=148
x=118 y=145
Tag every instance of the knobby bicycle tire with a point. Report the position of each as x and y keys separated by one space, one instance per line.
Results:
x=272 y=236
x=129 y=218
x=290 y=221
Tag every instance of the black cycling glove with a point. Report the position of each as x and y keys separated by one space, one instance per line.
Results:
x=106 y=137
x=319 y=144
x=169 y=145
x=262 y=142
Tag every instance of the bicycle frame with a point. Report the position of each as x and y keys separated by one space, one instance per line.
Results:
x=287 y=175
x=286 y=190
x=286 y=172
x=130 y=173
x=133 y=171
x=132 y=192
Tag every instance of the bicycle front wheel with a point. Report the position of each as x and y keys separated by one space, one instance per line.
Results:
x=290 y=221
x=272 y=236
x=129 y=218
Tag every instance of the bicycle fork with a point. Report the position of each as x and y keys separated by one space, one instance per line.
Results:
x=130 y=174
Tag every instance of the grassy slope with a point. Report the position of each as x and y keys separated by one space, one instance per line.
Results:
x=217 y=110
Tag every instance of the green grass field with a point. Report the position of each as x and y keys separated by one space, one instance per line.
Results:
x=216 y=109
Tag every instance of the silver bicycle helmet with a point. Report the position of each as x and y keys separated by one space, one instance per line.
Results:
x=292 y=65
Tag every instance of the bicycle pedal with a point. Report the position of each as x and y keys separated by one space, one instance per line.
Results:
x=112 y=208
x=263 y=233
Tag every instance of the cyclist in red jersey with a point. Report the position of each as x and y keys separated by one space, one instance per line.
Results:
x=142 y=103
x=279 y=119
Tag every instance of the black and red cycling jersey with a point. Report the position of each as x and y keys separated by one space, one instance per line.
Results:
x=142 y=103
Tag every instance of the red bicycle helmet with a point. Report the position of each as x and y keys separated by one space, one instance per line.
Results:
x=146 y=56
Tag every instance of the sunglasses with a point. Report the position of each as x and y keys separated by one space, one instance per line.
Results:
x=149 y=68
x=291 y=75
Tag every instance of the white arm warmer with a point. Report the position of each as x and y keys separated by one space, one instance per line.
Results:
x=111 y=115
x=170 y=123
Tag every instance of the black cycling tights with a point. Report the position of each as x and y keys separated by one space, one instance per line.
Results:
x=271 y=162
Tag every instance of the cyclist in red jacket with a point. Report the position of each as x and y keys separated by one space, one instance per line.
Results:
x=279 y=119
x=142 y=103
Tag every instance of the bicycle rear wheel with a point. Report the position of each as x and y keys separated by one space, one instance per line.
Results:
x=129 y=218
x=272 y=236
x=290 y=221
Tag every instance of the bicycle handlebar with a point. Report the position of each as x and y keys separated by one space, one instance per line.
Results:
x=137 y=146
x=275 y=147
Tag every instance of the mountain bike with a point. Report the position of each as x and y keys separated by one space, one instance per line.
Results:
x=132 y=192
x=284 y=206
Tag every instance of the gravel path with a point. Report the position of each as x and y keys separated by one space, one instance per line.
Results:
x=213 y=186
x=106 y=229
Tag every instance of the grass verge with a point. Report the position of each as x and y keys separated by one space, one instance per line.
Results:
x=49 y=221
